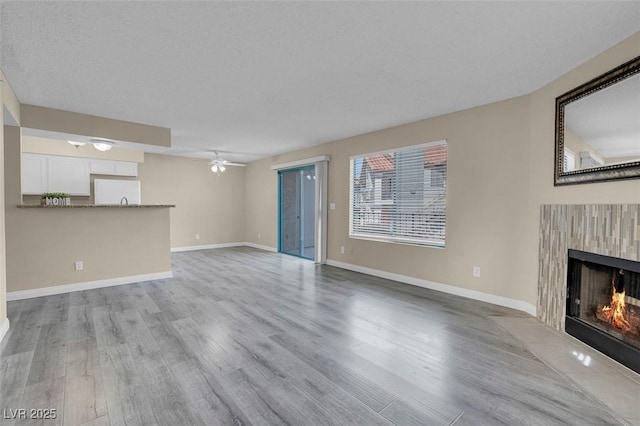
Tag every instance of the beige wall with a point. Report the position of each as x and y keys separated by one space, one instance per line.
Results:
x=55 y=120
x=206 y=203
x=261 y=202
x=9 y=99
x=487 y=148
x=12 y=190
x=501 y=162
x=37 y=145
x=43 y=244
x=542 y=135
x=3 y=266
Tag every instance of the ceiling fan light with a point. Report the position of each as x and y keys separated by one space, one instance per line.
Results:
x=77 y=144
x=219 y=165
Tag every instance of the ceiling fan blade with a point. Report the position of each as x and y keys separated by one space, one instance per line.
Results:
x=204 y=150
x=227 y=163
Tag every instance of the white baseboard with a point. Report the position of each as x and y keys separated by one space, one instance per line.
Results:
x=260 y=247
x=68 y=288
x=4 y=328
x=206 y=247
x=458 y=291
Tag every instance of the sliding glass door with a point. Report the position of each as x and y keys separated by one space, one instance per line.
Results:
x=297 y=211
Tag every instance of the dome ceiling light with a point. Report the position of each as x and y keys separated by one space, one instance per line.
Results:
x=102 y=144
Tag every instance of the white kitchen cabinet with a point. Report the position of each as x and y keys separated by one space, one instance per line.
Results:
x=53 y=173
x=114 y=168
x=126 y=168
x=69 y=174
x=101 y=167
x=34 y=174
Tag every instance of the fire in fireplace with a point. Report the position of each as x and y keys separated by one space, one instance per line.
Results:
x=603 y=305
x=616 y=313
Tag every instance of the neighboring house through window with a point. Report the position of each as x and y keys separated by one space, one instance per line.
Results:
x=400 y=195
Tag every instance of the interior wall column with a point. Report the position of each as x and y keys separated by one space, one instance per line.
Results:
x=4 y=321
x=321 y=213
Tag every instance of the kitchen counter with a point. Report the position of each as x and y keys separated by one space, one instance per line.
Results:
x=116 y=245
x=97 y=206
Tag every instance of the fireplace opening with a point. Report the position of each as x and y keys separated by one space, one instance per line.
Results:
x=603 y=305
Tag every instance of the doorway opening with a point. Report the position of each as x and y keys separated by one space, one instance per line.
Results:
x=297 y=211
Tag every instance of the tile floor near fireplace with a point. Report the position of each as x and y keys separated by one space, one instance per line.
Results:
x=615 y=385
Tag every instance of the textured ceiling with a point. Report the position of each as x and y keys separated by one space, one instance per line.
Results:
x=257 y=79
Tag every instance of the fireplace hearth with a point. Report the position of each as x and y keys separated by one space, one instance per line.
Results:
x=603 y=305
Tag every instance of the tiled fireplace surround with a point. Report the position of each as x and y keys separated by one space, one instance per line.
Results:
x=607 y=229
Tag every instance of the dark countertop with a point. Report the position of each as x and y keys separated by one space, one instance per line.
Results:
x=96 y=206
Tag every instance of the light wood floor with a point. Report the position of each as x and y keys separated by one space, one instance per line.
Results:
x=243 y=336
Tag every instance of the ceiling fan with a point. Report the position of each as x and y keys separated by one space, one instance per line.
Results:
x=219 y=165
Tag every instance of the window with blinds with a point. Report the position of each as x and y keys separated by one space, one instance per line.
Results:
x=400 y=195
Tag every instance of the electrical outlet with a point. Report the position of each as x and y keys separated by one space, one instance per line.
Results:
x=197 y=236
x=78 y=265
x=476 y=271
x=341 y=249
x=332 y=206
x=259 y=235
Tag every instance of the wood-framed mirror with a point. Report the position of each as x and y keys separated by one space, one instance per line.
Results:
x=598 y=128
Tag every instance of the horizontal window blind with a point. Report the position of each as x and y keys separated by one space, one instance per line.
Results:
x=569 y=160
x=400 y=195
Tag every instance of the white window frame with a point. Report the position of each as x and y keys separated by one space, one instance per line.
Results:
x=390 y=238
x=569 y=159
